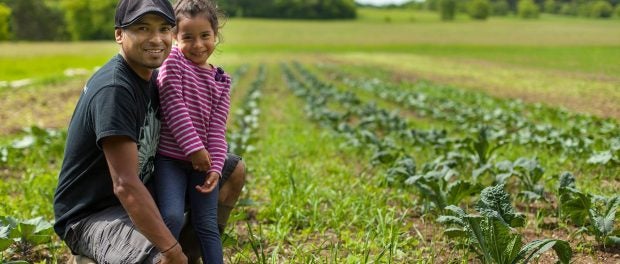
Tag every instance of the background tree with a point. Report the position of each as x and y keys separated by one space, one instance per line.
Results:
x=500 y=8
x=528 y=9
x=90 y=19
x=479 y=9
x=34 y=20
x=5 y=19
x=551 y=7
x=447 y=9
x=601 y=9
x=292 y=9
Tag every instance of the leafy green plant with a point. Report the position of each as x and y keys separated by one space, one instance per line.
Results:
x=38 y=148
x=611 y=156
x=528 y=171
x=436 y=184
x=24 y=237
x=594 y=213
x=402 y=169
x=491 y=235
x=483 y=146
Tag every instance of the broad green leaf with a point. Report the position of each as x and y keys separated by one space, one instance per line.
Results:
x=537 y=247
x=459 y=189
x=451 y=220
x=600 y=158
x=36 y=231
x=495 y=202
x=575 y=205
x=567 y=179
x=612 y=240
x=454 y=232
x=5 y=240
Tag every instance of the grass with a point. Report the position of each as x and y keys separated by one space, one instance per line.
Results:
x=49 y=60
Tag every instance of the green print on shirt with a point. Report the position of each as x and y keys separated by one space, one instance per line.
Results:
x=149 y=138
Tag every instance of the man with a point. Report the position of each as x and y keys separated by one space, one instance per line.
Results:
x=103 y=210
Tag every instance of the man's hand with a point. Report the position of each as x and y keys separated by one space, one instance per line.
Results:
x=201 y=160
x=174 y=255
x=209 y=184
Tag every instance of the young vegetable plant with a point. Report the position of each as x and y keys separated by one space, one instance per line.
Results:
x=596 y=214
x=25 y=236
x=529 y=172
x=435 y=184
x=491 y=235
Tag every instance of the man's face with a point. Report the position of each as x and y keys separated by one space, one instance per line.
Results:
x=146 y=43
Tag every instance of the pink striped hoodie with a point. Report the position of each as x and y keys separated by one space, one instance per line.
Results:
x=194 y=106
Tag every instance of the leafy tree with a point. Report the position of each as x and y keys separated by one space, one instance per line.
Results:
x=432 y=5
x=447 y=9
x=90 y=19
x=527 y=9
x=5 y=15
x=569 y=9
x=551 y=7
x=500 y=8
x=617 y=11
x=479 y=9
x=34 y=20
x=601 y=9
x=316 y=9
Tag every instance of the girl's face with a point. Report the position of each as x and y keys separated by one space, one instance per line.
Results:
x=196 y=39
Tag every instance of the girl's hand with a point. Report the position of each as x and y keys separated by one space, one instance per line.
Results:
x=210 y=183
x=201 y=160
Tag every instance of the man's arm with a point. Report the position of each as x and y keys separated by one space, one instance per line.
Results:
x=122 y=156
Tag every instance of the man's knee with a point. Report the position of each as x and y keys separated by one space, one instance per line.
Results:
x=237 y=178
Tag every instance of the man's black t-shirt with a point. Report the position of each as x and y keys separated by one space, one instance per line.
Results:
x=114 y=102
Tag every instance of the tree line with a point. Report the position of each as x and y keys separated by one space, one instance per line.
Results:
x=481 y=9
x=94 y=19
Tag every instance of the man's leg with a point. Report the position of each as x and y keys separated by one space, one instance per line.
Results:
x=109 y=236
x=229 y=195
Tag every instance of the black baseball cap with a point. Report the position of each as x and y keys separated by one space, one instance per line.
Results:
x=130 y=11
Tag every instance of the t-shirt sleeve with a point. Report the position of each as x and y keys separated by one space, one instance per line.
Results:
x=113 y=113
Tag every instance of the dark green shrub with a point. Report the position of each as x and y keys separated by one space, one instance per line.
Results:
x=584 y=9
x=568 y=9
x=551 y=7
x=447 y=9
x=479 y=9
x=601 y=9
x=500 y=8
x=527 y=9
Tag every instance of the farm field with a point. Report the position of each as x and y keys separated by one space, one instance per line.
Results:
x=364 y=138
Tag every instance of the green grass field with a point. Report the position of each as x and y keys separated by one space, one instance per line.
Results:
x=320 y=193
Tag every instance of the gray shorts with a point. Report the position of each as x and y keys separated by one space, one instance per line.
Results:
x=109 y=236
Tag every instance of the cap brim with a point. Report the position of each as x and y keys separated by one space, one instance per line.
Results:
x=168 y=19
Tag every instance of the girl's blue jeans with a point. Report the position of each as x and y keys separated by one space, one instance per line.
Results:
x=174 y=184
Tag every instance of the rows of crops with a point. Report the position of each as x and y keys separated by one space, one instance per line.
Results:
x=340 y=154
x=465 y=155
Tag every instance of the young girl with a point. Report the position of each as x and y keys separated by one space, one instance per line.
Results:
x=195 y=103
